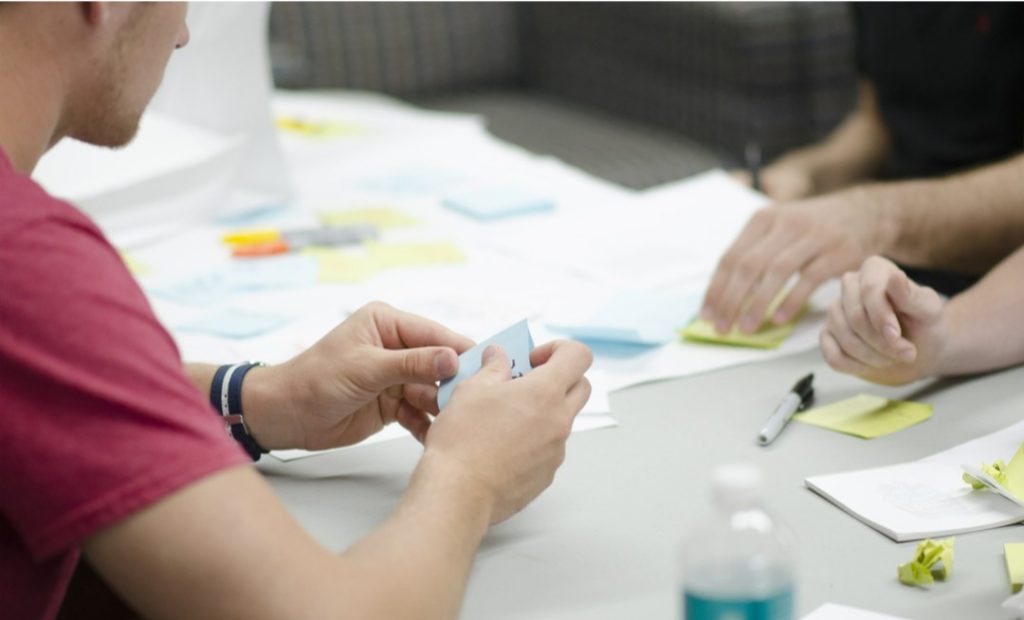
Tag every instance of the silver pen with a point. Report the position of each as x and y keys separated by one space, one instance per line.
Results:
x=798 y=398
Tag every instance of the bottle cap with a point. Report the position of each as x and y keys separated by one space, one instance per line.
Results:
x=737 y=484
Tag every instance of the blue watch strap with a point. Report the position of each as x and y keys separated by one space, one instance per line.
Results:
x=226 y=397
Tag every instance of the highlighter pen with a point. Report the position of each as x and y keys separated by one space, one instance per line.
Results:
x=257 y=243
x=753 y=154
x=798 y=398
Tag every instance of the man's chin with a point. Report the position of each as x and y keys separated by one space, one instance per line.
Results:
x=109 y=136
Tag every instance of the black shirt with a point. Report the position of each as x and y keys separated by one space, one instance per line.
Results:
x=950 y=81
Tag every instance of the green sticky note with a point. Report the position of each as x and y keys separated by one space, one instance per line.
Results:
x=867 y=416
x=390 y=255
x=1014 y=553
x=380 y=216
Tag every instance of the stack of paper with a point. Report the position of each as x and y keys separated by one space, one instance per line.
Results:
x=927 y=498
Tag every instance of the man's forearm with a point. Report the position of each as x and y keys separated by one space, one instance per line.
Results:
x=422 y=555
x=984 y=322
x=964 y=223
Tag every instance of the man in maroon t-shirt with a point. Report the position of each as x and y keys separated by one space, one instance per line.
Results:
x=109 y=451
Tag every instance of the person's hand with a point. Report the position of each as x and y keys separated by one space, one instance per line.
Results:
x=885 y=328
x=781 y=182
x=507 y=437
x=815 y=239
x=379 y=366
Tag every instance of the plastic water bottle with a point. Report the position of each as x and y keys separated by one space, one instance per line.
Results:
x=739 y=565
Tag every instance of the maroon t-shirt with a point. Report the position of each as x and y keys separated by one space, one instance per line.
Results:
x=97 y=417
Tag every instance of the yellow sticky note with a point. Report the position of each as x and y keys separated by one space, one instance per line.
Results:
x=389 y=255
x=1014 y=473
x=867 y=416
x=1014 y=553
x=135 y=266
x=768 y=335
x=340 y=266
x=316 y=128
x=380 y=216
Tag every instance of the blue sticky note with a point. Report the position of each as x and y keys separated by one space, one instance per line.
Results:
x=235 y=323
x=517 y=343
x=491 y=203
x=636 y=318
x=241 y=276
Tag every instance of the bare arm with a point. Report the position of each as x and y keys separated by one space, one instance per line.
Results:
x=984 y=322
x=853 y=152
x=967 y=222
x=224 y=547
x=887 y=329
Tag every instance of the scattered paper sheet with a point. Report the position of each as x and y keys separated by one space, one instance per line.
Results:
x=635 y=317
x=492 y=203
x=926 y=498
x=932 y=560
x=383 y=217
x=235 y=323
x=832 y=611
x=867 y=416
x=517 y=343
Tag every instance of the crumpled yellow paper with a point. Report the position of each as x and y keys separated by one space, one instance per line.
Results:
x=932 y=560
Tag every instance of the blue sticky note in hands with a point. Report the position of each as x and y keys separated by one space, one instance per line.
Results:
x=491 y=203
x=517 y=343
x=638 y=318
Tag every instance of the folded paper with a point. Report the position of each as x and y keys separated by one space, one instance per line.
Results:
x=867 y=416
x=1007 y=479
x=933 y=560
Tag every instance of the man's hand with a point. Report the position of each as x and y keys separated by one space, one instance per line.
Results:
x=507 y=437
x=814 y=239
x=379 y=366
x=885 y=328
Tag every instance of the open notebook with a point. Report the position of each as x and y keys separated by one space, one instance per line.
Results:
x=927 y=498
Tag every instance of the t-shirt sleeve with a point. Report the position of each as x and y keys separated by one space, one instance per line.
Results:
x=97 y=417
